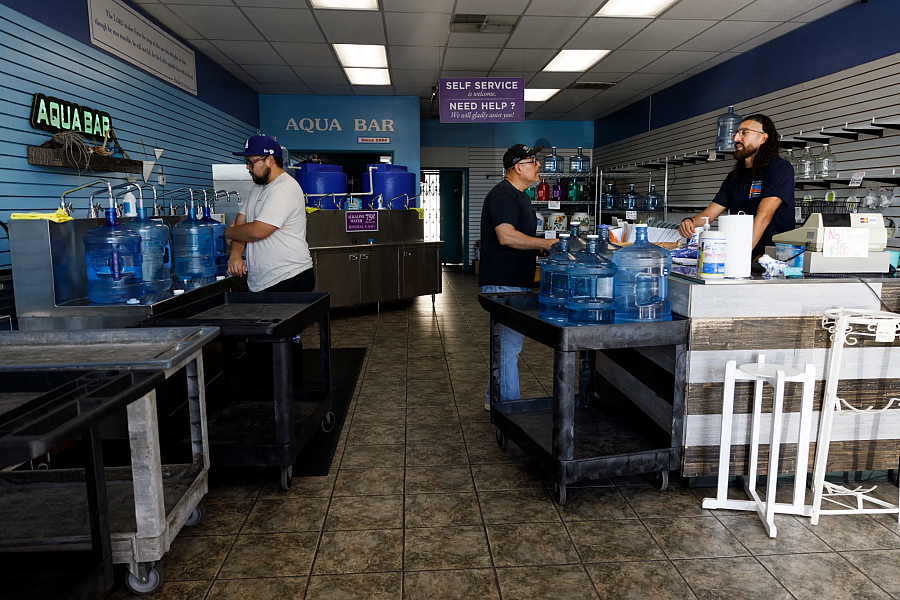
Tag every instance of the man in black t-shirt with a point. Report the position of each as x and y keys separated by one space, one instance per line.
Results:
x=508 y=250
x=761 y=184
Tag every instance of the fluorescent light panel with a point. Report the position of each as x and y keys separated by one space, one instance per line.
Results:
x=346 y=4
x=634 y=8
x=575 y=61
x=361 y=55
x=368 y=76
x=539 y=94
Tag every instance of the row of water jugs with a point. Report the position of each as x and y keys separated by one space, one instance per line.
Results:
x=126 y=261
x=630 y=200
x=813 y=166
x=554 y=163
x=582 y=286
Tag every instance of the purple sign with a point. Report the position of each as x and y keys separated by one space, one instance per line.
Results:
x=362 y=220
x=482 y=100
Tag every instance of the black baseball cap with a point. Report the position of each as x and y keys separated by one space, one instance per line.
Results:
x=517 y=153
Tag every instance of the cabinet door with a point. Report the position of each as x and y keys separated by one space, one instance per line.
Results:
x=379 y=274
x=421 y=271
x=338 y=273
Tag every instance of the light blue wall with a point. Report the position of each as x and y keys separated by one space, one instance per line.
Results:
x=37 y=59
x=290 y=117
x=562 y=134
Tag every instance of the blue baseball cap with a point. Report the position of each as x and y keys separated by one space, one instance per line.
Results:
x=260 y=145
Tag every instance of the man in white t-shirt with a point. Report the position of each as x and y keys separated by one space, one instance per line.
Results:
x=272 y=225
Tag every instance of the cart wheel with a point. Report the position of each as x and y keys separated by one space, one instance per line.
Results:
x=559 y=490
x=154 y=581
x=195 y=517
x=661 y=481
x=501 y=439
x=287 y=477
x=328 y=422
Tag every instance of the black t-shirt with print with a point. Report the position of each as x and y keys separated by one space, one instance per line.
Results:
x=502 y=265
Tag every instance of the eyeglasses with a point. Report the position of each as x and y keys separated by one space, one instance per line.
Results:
x=744 y=131
x=252 y=161
x=528 y=162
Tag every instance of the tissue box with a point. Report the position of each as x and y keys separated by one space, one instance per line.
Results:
x=791 y=254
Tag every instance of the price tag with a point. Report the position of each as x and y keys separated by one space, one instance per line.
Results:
x=549 y=235
x=857 y=178
x=846 y=242
x=553 y=205
x=885 y=331
x=630 y=215
x=798 y=214
x=712 y=156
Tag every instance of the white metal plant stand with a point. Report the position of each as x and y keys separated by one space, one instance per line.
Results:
x=776 y=376
x=846 y=326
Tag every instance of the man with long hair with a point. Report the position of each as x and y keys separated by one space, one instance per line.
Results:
x=761 y=184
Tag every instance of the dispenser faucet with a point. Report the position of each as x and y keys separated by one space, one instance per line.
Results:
x=93 y=210
x=173 y=208
x=156 y=207
x=216 y=198
x=125 y=188
x=236 y=194
x=405 y=202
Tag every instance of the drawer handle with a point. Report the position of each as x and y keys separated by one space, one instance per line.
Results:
x=354 y=257
x=407 y=254
x=364 y=257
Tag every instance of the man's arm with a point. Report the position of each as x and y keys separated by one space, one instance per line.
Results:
x=517 y=240
x=236 y=266
x=249 y=232
x=764 y=214
x=686 y=229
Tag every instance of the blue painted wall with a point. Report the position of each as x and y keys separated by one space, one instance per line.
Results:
x=215 y=86
x=332 y=123
x=562 y=134
x=854 y=35
x=37 y=59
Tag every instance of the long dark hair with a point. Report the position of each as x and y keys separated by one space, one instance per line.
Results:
x=766 y=152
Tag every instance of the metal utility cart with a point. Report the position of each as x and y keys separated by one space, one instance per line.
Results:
x=575 y=438
x=150 y=501
x=244 y=430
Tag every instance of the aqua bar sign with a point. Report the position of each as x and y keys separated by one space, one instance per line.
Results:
x=55 y=115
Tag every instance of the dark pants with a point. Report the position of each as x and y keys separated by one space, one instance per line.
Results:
x=301 y=282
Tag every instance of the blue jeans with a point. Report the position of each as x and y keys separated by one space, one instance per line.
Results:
x=510 y=346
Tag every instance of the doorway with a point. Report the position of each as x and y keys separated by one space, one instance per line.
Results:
x=453 y=194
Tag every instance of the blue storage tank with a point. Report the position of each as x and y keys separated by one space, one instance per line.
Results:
x=321 y=179
x=390 y=181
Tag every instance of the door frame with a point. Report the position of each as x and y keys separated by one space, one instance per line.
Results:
x=464 y=220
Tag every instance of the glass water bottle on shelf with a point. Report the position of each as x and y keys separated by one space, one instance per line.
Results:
x=558 y=194
x=789 y=156
x=825 y=163
x=610 y=197
x=586 y=191
x=726 y=126
x=554 y=163
x=543 y=191
x=631 y=198
x=579 y=163
x=573 y=191
x=806 y=165
x=654 y=201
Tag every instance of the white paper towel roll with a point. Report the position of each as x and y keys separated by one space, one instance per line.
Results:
x=739 y=230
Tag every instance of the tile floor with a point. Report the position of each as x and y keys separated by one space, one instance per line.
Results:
x=421 y=504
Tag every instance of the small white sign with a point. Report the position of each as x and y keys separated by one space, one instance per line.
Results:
x=712 y=156
x=798 y=214
x=846 y=242
x=553 y=205
x=550 y=234
x=373 y=140
x=885 y=331
x=857 y=178
x=630 y=215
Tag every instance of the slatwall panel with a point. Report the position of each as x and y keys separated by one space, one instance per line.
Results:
x=35 y=58
x=854 y=95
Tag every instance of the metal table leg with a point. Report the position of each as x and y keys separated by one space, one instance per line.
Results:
x=325 y=353
x=283 y=388
x=98 y=507
x=563 y=445
x=495 y=364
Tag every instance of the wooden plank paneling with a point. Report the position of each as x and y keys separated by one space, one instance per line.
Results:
x=765 y=334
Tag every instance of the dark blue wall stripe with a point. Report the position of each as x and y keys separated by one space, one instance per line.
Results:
x=852 y=36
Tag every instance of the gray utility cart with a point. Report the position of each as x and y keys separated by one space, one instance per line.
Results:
x=149 y=502
x=632 y=427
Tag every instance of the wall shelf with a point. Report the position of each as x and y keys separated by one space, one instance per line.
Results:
x=57 y=157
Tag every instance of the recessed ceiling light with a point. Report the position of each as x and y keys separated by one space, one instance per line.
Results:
x=539 y=94
x=368 y=76
x=633 y=8
x=575 y=61
x=361 y=55
x=347 y=4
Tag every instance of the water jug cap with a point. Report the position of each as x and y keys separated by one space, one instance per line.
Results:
x=565 y=235
x=593 y=236
x=641 y=225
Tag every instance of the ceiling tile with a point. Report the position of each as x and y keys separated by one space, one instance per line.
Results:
x=553 y=80
x=321 y=75
x=523 y=59
x=171 y=20
x=477 y=40
x=270 y=3
x=563 y=8
x=615 y=95
x=417 y=77
x=218 y=22
x=288 y=88
x=200 y=2
x=373 y=90
x=525 y=76
x=302 y=54
x=259 y=88
x=417 y=29
x=285 y=25
x=612 y=77
x=415 y=57
x=663 y=34
x=825 y=10
x=211 y=51
x=436 y=6
x=626 y=61
x=775 y=32
x=706 y=9
x=716 y=60
x=452 y=74
x=330 y=89
x=422 y=91
x=642 y=81
x=239 y=73
x=249 y=53
x=776 y=10
x=462 y=59
x=678 y=61
x=272 y=73
x=351 y=26
x=543 y=32
x=606 y=33
x=491 y=7
x=727 y=34
x=574 y=97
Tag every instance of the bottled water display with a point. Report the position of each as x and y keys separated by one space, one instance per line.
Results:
x=156 y=252
x=631 y=199
x=611 y=199
x=641 y=287
x=112 y=256
x=591 y=298
x=825 y=163
x=543 y=191
x=806 y=165
x=555 y=282
x=194 y=248
x=573 y=191
x=221 y=257
x=726 y=126
x=654 y=200
x=554 y=163
x=579 y=163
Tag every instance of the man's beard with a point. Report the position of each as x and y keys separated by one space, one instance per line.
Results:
x=743 y=152
x=265 y=177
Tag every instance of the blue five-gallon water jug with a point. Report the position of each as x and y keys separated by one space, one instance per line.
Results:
x=641 y=290
x=194 y=248
x=156 y=252
x=112 y=255
x=726 y=126
x=555 y=282
x=591 y=298
x=221 y=258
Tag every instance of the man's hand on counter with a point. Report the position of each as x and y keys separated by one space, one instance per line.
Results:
x=686 y=229
x=236 y=266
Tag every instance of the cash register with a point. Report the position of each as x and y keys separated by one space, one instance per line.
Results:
x=812 y=237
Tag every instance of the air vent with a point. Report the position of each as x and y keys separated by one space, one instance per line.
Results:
x=592 y=85
x=466 y=23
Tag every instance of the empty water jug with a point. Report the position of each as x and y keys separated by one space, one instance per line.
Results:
x=806 y=165
x=156 y=252
x=641 y=285
x=825 y=166
x=654 y=200
x=112 y=255
x=579 y=163
x=611 y=199
x=603 y=242
x=631 y=199
x=221 y=257
x=576 y=242
x=554 y=163
x=591 y=299
x=194 y=248
x=555 y=282
x=726 y=126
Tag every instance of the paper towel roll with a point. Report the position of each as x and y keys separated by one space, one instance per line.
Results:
x=739 y=230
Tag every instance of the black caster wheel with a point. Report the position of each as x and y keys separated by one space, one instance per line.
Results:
x=287 y=478
x=501 y=439
x=661 y=481
x=328 y=422
x=154 y=581
x=559 y=491
x=195 y=517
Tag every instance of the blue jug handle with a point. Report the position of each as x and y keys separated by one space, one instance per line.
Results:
x=167 y=257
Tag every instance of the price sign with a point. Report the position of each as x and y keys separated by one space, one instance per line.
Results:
x=885 y=331
x=846 y=242
x=857 y=178
x=549 y=235
x=798 y=214
x=553 y=205
x=630 y=215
